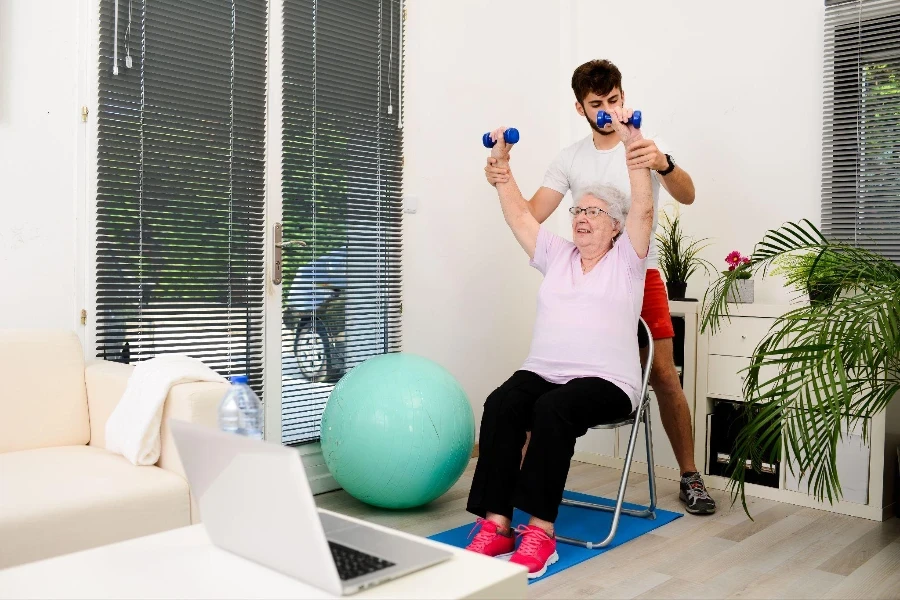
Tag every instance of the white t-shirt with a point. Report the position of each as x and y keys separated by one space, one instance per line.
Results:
x=581 y=164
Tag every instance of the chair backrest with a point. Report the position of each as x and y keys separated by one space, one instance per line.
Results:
x=645 y=380
x=43 y=399
x=648 y=363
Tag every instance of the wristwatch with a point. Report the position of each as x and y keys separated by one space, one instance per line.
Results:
x=671 y=166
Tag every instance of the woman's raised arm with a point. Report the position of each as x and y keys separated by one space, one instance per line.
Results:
x=515 y=208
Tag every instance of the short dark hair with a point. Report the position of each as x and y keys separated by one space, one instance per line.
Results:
x=597 y=76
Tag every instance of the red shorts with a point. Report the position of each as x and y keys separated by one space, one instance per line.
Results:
x=656 y=307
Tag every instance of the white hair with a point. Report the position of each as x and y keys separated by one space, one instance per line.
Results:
x=617 y=204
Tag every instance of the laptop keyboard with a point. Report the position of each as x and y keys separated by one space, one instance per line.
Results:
x=353 y=563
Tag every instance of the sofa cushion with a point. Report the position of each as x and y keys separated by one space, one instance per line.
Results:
x=44 y=402
x=62 y=499
x=106 y=382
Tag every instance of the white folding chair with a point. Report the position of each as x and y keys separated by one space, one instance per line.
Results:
x=641 y=415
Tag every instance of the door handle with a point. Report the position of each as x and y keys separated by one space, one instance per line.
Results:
x=291 y=244
x=278 y=246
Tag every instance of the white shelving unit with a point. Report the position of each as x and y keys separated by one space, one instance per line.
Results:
x=865 y=467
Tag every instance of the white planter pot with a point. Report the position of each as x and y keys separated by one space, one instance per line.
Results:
x=741 y=292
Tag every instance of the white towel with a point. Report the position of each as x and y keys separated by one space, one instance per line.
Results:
x=133 y=427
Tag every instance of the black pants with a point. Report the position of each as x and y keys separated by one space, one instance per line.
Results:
x=556 y=415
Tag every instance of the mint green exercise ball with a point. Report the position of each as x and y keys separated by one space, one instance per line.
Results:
x=397 y=431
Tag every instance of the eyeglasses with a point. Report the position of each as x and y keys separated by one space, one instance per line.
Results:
x=591 y=211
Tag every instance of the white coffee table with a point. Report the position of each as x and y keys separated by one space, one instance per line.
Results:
x=182 y=563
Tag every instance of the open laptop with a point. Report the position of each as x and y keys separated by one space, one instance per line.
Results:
x=255 y=501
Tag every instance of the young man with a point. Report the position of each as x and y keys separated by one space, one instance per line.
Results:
x=597 y=159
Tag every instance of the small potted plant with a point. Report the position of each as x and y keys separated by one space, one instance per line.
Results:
x=678 y=256
x=810 y=272
x=739 y=266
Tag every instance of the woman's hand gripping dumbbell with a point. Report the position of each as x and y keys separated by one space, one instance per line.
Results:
x=604 y=119
x=510 y=136
x=499 y=152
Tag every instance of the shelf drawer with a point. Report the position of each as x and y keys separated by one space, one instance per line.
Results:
x=740 y=336
x=725 y=378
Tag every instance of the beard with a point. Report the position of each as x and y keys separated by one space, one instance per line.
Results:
x=593 y=125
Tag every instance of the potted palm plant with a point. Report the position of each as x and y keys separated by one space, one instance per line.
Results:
x=679 y=256
x=837 y=357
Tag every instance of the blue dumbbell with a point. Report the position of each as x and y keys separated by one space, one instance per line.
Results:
x=510 y=136
x=603 y=119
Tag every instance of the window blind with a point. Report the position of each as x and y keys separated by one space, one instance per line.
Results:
x=861 y=133
x=342 y=177
x=180 y=182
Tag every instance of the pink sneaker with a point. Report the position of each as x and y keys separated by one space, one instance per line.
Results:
x=491 y=542
x=537 y=550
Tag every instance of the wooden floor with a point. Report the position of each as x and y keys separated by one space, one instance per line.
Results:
x=787 y=552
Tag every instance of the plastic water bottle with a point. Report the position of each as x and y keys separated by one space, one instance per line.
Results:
x=240 y=411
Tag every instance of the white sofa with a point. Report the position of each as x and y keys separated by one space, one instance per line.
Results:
x=60 y=489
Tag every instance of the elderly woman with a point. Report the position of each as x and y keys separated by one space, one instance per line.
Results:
x=583 y=368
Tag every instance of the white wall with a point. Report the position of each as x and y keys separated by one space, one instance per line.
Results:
x=469 y=294
x=39 y=123
x=735 y=89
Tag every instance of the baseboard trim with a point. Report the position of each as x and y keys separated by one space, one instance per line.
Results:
x=320 y=479
x=323 y=483
x=619 y=463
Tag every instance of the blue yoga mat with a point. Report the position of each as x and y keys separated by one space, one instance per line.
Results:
x=580 y=523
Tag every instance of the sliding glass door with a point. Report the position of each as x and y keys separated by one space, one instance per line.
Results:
x=341 y=187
